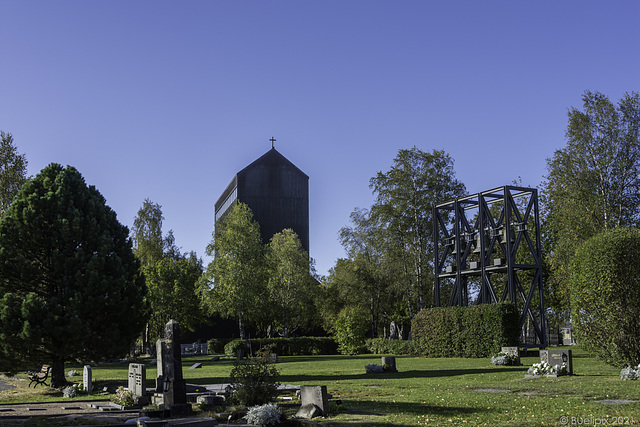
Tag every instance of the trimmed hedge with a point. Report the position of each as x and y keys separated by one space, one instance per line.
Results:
x=476 y=331
x=216 y=345
x=387 y=346
x=286 y=346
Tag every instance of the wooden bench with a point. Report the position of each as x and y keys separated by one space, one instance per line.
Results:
x=39 y=377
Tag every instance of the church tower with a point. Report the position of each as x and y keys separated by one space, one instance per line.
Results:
x=276 y=191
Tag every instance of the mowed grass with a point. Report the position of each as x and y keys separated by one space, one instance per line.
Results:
x=432 y=391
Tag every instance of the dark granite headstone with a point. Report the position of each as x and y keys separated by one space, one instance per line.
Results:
x=557 y=358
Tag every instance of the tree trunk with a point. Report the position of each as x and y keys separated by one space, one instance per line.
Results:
x=57 y=373
x=241 y=327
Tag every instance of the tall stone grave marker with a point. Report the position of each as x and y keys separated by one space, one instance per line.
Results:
x=160 y=351
x=86 y=379
x=137 y=384
x=174 y=387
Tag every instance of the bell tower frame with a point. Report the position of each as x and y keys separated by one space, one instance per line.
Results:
x=489 y=243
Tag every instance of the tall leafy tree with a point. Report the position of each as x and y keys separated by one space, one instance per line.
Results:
x=292 y=288
x=13 y=171
x=70 y=283
x=234 y=283
x=148 y=243
x=592 y=185
x=171 y=276
x=172 y=283
x=405 y=197
x=371 y=272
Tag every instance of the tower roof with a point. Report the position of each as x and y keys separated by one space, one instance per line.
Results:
x=270 y=159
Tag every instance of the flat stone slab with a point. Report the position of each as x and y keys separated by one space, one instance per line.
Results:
x=70 y=408
x=616 y=401
x=5 y=409
x=196 y=366
x=35 y=408
x=220 y=388
x=492 y=390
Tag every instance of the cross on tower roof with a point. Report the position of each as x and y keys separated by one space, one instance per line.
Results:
x=272 y=141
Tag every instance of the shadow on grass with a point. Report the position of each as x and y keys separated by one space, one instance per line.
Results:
x=292 y=379
x=377 y=408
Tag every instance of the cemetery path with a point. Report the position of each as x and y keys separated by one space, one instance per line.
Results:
x=70 y=410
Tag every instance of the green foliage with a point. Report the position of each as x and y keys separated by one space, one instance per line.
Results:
x=234 y=284
x=405 y=197
x=593 y=184
x=147 y=233
x=605 y=296
x=350 y=329
x=69 y=280
x=476 y=331
x=286 y=346
x=13 y=171
x=171 y=277
x=217 y=345
x=172 y=284
x=370 y=277
x=254 y=382
x=387 y=346
x=292 y=289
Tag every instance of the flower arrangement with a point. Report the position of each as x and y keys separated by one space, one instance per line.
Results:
x=69 y=392
x=543 y=368
x=123 y=397
x=264 y=414
x=538 y=369
x=374 y=369
x=630 y=373
x=503 y=359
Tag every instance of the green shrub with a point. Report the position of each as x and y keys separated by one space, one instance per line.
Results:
x=216 y=345
x=233 y=346
x=349 y=329
x=387 y=346
x=605 y=296
x=476 y=331
x=255 y=381
x=296 y=346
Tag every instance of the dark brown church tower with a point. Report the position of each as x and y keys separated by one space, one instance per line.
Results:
x=276 y=191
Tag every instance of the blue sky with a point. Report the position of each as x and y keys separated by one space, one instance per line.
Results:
x=168 y=100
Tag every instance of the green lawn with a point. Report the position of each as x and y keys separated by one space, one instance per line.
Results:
x=436 y=391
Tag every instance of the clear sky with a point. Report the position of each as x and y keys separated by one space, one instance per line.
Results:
x=168 y=100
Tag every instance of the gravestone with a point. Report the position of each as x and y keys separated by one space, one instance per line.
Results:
x=274 y=358
x=174 y=395
x=137 y=384
x=161 y=350
x=513 y=352
x=196 y=366
x=557 y=358
x=315 y=395
x=394 y=331
x=390 y=362
x=86 y=379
